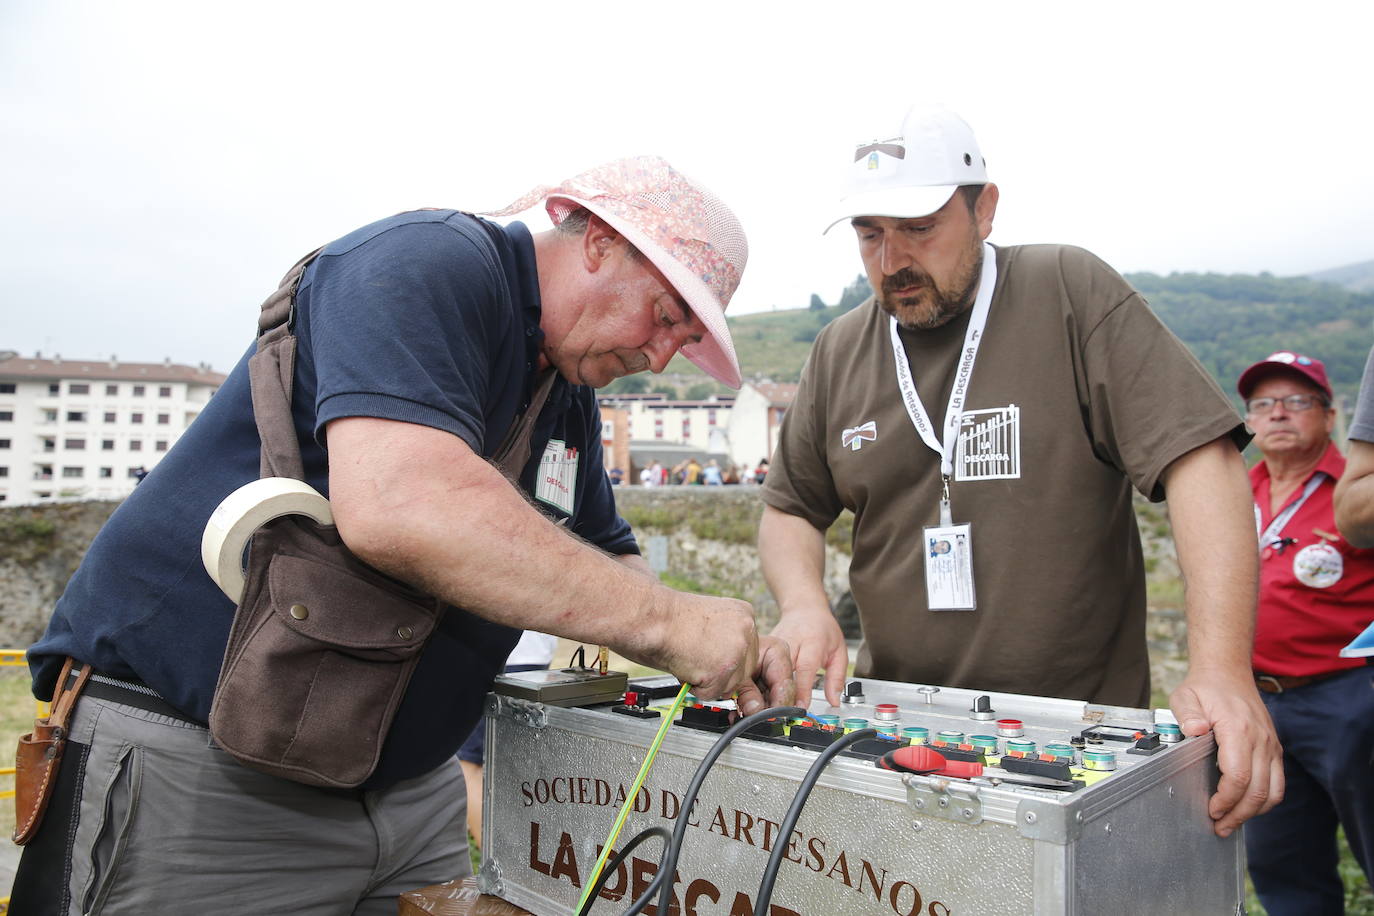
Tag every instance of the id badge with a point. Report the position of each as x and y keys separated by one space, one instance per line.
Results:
x=557 y=481
x=948 y=551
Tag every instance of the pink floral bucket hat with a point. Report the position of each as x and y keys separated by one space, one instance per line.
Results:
x=682 y=228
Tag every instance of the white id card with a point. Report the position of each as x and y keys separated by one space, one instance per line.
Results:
x=557 y=481
x=948 y=551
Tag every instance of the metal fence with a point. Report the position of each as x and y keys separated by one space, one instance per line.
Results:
x=13 y=658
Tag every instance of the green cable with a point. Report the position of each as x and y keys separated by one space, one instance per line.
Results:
x=630 y=797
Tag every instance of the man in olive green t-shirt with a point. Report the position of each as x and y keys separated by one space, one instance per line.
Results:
x=985 y=417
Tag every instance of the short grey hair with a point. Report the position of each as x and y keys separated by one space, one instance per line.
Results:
x=575 y=223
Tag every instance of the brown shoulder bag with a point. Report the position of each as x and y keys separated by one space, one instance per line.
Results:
x=322 y=645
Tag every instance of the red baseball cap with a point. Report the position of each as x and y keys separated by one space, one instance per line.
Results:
x=1284 y=361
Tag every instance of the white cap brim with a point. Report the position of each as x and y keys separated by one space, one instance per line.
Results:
x=901 y=203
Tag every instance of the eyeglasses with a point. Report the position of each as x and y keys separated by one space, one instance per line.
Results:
x=1294 y=402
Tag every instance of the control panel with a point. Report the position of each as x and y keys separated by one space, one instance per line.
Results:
x=980 y=737
x=953 y=802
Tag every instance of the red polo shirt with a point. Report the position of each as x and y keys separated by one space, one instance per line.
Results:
x=1315 y=595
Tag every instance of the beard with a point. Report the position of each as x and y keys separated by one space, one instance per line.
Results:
x=931 y=306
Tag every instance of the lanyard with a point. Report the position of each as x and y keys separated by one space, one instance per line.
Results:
x=1271 y=534
x=973 y=339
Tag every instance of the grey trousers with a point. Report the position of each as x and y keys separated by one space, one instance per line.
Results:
x=161 y=821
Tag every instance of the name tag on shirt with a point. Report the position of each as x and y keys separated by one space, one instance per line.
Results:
x=948 y=551
x=557 y=480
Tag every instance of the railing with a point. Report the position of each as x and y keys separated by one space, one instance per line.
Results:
x=14 y=658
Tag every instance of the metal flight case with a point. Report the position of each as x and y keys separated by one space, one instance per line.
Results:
x=1123 y=829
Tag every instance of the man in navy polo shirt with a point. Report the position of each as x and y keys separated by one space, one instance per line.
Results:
x=419 y=338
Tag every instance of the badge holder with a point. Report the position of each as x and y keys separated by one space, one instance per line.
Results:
x=557 y=483
x=948 y=552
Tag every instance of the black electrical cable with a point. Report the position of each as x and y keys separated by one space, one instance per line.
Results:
x=663 y=883
x=579 y=658
x=668 y=862
x=605 y=876
x=789 y=823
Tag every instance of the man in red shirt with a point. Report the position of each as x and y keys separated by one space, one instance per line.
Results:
x=1316 y=594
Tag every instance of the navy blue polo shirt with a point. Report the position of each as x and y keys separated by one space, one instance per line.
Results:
x=429 y=317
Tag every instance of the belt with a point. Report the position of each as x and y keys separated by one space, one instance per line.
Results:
x=131 y=692
x=135 y=693
x=1273 y=683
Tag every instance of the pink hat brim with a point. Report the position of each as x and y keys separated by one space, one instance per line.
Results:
x=715 y=355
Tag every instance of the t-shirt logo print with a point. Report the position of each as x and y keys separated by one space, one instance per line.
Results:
x=989 y=446
x=853 y=437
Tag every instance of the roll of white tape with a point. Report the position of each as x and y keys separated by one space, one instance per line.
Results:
x=245 y=511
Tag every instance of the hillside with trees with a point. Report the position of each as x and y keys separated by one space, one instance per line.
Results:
x=1227 y=320
x=1359 y=277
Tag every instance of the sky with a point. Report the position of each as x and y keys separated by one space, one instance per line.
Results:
x=164 y=163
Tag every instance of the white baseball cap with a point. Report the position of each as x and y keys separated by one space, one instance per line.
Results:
x=914 y=173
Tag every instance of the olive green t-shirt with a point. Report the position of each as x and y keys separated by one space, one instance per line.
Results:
x=1078 y=393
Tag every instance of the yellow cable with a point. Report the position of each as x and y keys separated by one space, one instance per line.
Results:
x=630 y=797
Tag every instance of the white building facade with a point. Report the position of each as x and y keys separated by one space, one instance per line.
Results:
x=74 y=429
x=756 y=419
x=738 y=430
x=689 y=423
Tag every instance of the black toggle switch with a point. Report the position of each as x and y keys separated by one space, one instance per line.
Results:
x=854 y=692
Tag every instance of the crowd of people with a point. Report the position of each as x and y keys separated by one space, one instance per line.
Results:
x=692 y=472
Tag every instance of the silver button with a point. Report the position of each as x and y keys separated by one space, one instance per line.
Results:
x=299 y=611
x=405 y=632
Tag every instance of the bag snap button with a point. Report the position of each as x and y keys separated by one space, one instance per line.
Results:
x=405 y=632
x=299 y=611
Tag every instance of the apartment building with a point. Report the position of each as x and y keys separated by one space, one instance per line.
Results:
x=756 y=420
x=73 y=429
x=738 y=430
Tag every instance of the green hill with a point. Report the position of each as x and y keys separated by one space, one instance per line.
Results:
x=1359 y=277
x=1228 y=320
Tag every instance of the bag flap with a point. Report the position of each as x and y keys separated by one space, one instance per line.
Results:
x=335 y=606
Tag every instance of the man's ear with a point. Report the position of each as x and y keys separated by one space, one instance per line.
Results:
x=599 y=243
x=984 y=209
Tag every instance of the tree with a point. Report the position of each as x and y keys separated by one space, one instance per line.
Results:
x=855 y=293
x=700 y=391
x=817 y=304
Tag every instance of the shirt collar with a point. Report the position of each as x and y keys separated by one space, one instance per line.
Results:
x=1332 y=464
x=526 y=275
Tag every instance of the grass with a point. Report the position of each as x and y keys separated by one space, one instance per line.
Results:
x=684 y=584
x=710 y=519
x=17 y=710
x=840 y=534
x=1359 y=899
x=728 y=521
x=26 y=537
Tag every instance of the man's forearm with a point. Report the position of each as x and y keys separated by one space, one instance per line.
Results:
x=1211 y=511
x=1211 y=508
x=792 y=554
x=467 y=536
x=1354 y=497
